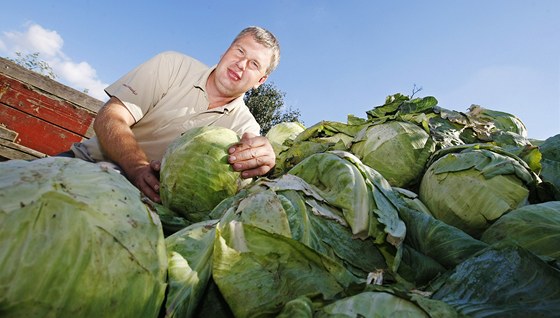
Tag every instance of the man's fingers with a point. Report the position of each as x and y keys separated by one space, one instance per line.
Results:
x=265 y=162
x=155 y=165
x=259 y=171
x=149 y=185
x=248 y=141
x=150 y=193
x=147 y=182
x=252 y=156
x=247 y=154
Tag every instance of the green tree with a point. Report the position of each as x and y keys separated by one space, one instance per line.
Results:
x=266 y=103
x=32 y=62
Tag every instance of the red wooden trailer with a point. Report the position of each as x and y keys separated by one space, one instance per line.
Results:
x=40 y=116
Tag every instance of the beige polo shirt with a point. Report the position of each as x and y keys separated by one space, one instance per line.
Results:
x=166 y=96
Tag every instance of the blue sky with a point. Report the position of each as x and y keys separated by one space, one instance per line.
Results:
x=338 y=57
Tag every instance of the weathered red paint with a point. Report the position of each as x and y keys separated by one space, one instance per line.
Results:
x=36 y=133
x=43 y=122
x=46 y=107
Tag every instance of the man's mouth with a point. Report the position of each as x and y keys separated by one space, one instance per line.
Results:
x=233 y=75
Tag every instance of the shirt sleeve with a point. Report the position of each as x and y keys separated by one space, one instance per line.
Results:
x=142 y=88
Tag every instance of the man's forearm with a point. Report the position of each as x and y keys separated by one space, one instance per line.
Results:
x=120 y=146
x=112 y=127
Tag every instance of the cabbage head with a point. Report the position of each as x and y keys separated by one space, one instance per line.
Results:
x=536 y=227
x=550 y=162
x=398 y=150
x=282 y=132
x=470 y=187
x=497 y=120
x=502 y=280
x=321 y=137
x=372 y=304
x=76 y=240
x=195 y=174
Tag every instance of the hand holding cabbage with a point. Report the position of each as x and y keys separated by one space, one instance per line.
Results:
x=252 y=156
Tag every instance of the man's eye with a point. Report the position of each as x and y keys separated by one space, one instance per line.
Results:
x=254 y=65
x=240 y=52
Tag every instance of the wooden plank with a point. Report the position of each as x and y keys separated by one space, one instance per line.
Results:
x=46 y=84
x=7 y=134
x=36 y=133
x=11 y=150
x=49 y=108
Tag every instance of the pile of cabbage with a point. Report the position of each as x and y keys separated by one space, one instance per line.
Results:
x=414 y=211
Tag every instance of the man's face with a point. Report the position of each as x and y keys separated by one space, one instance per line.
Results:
x=242 y=67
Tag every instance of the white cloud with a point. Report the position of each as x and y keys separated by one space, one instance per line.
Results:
x=49 y=44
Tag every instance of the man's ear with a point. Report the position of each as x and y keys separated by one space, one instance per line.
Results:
x=261 y=81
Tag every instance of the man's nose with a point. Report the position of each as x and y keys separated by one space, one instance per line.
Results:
x=242 y=63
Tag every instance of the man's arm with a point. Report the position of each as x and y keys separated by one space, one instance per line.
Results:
x=112 y=127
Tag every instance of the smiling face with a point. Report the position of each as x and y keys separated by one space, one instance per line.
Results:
x=242 y=67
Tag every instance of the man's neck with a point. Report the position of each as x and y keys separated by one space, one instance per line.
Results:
x=215 y=99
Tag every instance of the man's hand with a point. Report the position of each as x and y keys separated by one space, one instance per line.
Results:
x=253 y=155
x=146 y=178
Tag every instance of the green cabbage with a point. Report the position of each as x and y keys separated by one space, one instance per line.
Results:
x=446 y=244
x=362 y=194
x=396 y=149
x=372 y=304
x=470 y=187
x=321 y=137
x=195 y=174
x=296 y=210
x=536 y=227
x=503 y=280
x=498 y=120
x=189 y=253
x=550 y=162
x=283 y=238
x=282 y=132
x=76 y=240
x=258 y=272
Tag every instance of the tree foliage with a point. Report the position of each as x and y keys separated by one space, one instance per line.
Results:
x=266 y=103
x=32 y=62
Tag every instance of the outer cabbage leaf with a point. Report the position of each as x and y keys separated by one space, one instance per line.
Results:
x=321 y=137
x=341 y=184
x=498 y=120
x=301 y=307
x=550 y=162
x=412 y=200
x=536 y=227
x=372 y=304
x=189 y=254
x=345 y=182
x=171 y=221
x=418 y=268
x=446 y=244
x=75 y=248
x=297 y=211
x=316 y=225
x=502 y=280
x=272 y=269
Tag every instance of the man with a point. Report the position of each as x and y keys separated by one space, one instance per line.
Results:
x=153 y=104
